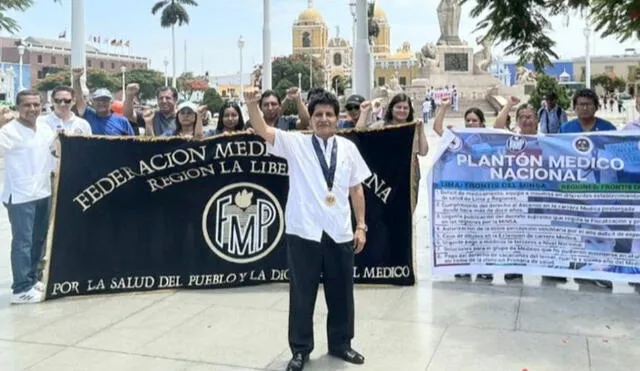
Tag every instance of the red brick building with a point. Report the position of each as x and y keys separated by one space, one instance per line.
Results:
x=45 y=55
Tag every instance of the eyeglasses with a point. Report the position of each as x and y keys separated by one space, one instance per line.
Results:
x=352 y=108
x=60 y=101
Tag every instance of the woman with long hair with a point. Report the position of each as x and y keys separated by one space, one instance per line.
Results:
x=400 y=111
x=230 y=119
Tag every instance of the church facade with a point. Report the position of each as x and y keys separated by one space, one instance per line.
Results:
x=310 y=35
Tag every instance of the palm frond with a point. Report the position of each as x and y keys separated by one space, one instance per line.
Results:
x=187 y=2
x=159 y=5
x=174 y=14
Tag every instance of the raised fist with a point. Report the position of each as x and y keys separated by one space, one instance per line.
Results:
x=446 y=101
x=252 y=96
x=514 y=100
x=133 y=90
x=77 y=72
x=365 y=106
x=293 y=93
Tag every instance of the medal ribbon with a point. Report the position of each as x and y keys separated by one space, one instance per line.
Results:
x=328 y=171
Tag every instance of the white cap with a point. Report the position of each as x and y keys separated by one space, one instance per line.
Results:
x=188 y=104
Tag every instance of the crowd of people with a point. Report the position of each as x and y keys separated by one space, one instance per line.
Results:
x=324 y=231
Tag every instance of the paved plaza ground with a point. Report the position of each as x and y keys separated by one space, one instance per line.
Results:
x=434 y=325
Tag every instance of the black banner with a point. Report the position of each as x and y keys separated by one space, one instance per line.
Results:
x=133 y=214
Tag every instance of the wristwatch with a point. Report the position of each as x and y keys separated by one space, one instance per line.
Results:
x=363 y=227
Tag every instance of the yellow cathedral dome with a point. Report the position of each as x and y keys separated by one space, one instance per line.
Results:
x=310 y=15
x=378 y=13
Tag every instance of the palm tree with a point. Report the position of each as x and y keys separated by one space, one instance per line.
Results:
x=173 y=13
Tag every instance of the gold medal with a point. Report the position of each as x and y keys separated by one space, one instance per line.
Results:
x=330 y=200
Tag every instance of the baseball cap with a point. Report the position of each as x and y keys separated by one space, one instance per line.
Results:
x=102 y=93
x=187 y=104
x=354 y=100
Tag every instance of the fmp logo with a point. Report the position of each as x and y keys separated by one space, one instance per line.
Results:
x=242 y=223
x=516 y=144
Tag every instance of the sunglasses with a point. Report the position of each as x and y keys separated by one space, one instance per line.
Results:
x=351 y=108
x=60 y=101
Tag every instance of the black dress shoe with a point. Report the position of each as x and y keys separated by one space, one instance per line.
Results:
x=297 y=362
x=349 y=355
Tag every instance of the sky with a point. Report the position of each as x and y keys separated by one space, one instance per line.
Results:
x=215 y=26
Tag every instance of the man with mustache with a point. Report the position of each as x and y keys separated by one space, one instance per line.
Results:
x=164 y=119
x=325 y=172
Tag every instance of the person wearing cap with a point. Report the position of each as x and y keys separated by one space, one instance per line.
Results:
x=188 y=122
x=100 y=118
x=552 y=116
x=164 y=119
x=353 y=111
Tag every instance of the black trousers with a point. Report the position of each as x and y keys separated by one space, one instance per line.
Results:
x=307 y=260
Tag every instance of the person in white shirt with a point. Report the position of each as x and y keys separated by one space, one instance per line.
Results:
x=325 y=171
x=62 y=119
x=26 y=146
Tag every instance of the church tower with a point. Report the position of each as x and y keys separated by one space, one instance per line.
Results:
x=382 y=43
x=310 y=33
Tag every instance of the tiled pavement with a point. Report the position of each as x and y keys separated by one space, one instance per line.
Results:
x=435 y=326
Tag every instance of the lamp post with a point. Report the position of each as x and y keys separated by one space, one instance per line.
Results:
x=240 y=47
x=352 y=9
x=266 y=46
x=123 y=69
x=587 y=62
x=21 y=49
x=363 y=56
x=299 y=81
x=166 y=71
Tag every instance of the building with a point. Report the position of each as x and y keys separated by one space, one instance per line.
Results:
x=310 y=35
x=10 y=80
x=49 y=56
x=228 y=86
x=573 y=70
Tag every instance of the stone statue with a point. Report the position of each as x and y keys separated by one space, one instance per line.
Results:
x=524 y=76
x=428 y=58
x=449 y=12
x=394 y=84
x=483 y=58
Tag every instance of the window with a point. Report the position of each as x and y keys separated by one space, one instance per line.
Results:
x=608 y=69
x=402 y=81
x=66 y=61
x=89 y=63
x=381 y=81
x=113 y=65
x=101 y=64
x=41 y=74
x=306 y=40
x=40 y=58
x=53 y=59
x=337 y=59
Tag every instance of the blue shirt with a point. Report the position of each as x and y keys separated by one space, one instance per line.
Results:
x=574 y=126
x=110 y=125
x=346 y=124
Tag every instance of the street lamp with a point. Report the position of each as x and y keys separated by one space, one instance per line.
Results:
x=123 y=69
x=587 y=62
x=266 y=46
x=352 y=9
x=21 y=49
x=166 y=71
x=299 y=81
x=240 y=47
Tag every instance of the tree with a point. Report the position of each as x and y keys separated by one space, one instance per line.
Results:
x=288 y=68
x=7 y=23
x=212 y=100
x=173 y=12
x=54 y=79
x=188 y=84
x=99 y=79
x=524 y=25
x=373 y=27
x=546 y=84
x=149 y=80
x=608 y=82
